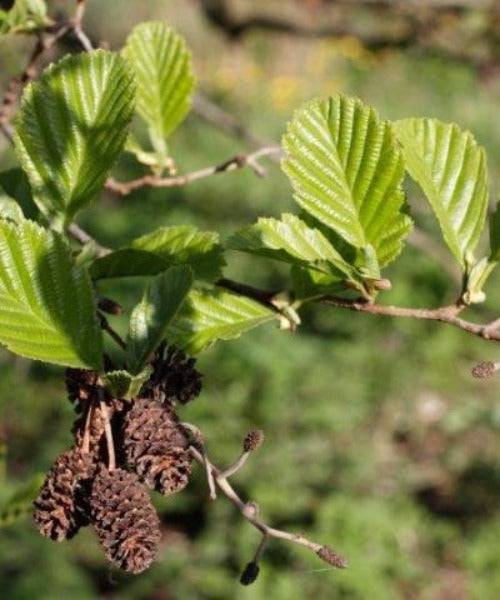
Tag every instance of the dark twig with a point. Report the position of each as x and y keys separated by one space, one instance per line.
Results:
x=105 y=326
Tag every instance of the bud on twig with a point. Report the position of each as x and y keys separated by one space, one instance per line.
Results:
x=109 y=306
x=331 y=557
x=251 y=510
x=250 y=573
x=485 y=369
x=253 y=440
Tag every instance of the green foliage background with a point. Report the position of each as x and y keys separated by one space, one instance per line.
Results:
x=378 y=440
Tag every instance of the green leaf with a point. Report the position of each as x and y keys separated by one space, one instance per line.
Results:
x=71 y=127
x=127 y=263
x=47 y=306
x=451 y=169
x=495 y=234
x=292 y=241
x=476 y=280
x=165 y=247
x=25 y=16
x=211 y=315
x=151 y=317
x=347 y=170
x=164 y=75
x=124 y=385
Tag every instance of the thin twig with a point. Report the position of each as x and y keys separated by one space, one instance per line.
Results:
x=447 y=314
x=77 y=26
x=108 y=431
x=251 y=516
x=45 y=41
x=81 y=236
x=236 y=466
x=86 y=430
x=105 y=326
x=236 y=162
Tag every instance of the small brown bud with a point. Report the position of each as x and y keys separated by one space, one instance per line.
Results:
x=253 y=440
x=250 y=573
x=484 y=370
x=331 y=557
x=109 y=306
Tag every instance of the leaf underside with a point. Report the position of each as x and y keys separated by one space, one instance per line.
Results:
x=451 y=169
x=347 y=172
x=47 y=307
x=71 y=127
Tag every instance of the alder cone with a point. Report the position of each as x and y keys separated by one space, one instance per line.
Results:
x=156 y=446
x=124 y=519
x=60 y=508
x=174 y=378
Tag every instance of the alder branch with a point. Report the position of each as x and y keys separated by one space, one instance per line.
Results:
x=250 y=512
x=46 y=39
x=446 y=314
x=239 y=161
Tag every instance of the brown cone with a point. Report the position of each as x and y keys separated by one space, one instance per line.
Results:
x=174 y=377
x=156 y=446
x=125 y=521
x=60 y=509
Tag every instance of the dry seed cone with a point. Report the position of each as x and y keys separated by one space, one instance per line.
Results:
x=60 y=509
x=156 y=446
x=174 y=377
x=124 y=519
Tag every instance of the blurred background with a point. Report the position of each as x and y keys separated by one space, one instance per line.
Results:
x=378 y=440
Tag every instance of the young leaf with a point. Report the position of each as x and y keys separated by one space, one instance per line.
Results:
x=346 y=170
x=451 y=169
x=292 y=241
x=164 y=75
x=165 y=247
x=122 y=384
x=151 y=317
x=211 y=315
x=47 y=307
x=71 y=127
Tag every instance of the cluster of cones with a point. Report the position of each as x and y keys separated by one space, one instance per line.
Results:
x=121 y=448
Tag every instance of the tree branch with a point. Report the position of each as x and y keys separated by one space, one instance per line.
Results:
x=250 y=513
x=239 y=161
x=446 y=314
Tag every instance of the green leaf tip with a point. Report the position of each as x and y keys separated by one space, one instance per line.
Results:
x=71 y=127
